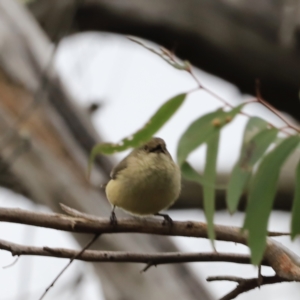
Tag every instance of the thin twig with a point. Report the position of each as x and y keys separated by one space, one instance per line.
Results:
x=245 y=285
x=260 y=279
x=77 y=214
x=226 y=103
x=225 y=278
x=258 y=99
x=277 y=233
x=11 y=264
x=169 y=57
x=121 y=256
x=272 y=108
x=148 y=266
x=70 y=262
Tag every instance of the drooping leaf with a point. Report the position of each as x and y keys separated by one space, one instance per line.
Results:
x=238 y=180
x=295 y=224
x=202 y=129
x=253 y=149
x=210 y=173
x=205 y=130
x=189 y=173
x=261 y=195
x=254 y=125
x=163 y=114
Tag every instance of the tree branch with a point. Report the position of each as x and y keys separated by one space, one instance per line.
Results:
x=285 y=263
x=245 y=285
x=76 y=255
x=84 y=223
x=122 y=256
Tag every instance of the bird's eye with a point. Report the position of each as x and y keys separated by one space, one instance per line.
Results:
x=158 y=148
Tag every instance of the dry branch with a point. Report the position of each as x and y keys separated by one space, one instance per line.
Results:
x=285 y=263
x=245 y=285
x=122 y=256
x=85 y=223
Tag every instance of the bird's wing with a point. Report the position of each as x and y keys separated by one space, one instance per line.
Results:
x=118 y=168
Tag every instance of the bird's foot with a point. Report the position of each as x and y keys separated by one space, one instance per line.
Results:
x=167 y=219
x=113 y=218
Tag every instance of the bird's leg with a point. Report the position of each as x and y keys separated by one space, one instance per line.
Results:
x=113 y=218
x=167 y=218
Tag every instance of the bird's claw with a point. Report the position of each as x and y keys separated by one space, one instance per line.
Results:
x=113 y=218
x=167 y=219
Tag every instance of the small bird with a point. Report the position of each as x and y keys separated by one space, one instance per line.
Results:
x=145 y=182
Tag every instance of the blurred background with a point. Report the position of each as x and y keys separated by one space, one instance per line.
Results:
x=69 y=77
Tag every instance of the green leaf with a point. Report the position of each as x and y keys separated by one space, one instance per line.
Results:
x=253 y=149
x=254 y=125
x=210 y=174
x=164 y=113
x=189 y=173
x=261 y=196
x=202 y=129
x=205 y=130
x=236 y=186
x=296 y=206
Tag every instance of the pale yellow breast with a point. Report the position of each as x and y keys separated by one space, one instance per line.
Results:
x=148 y=185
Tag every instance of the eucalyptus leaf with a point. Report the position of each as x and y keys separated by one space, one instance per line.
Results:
x=261 y=196
x=202 y=129
x=254 y=125
x=164 y=113
x=238 y=180
x=189 y=173
x=206 y=129
x=210 y=174
x=253 y=149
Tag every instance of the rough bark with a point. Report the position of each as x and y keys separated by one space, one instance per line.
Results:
x=285 y=262
x=53 y=168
